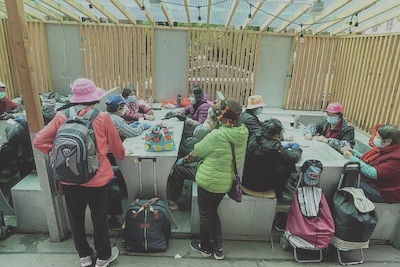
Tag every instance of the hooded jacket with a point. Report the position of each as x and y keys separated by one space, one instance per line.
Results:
x=215 y=172
x=263 y=156
x=252 y=122
x=199 y=111
x=387 y=165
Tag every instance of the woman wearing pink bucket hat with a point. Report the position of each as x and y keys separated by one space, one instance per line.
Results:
x=334 y=130
x=94 y=192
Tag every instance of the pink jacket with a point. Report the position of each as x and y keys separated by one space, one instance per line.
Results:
x=135 y=111
x=107 y=138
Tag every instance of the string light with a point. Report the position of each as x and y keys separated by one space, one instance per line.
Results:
x=301 y=39
x=199 y=17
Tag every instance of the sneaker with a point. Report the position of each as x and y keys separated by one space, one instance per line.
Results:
x=114 y=224
x=196 y=246
x=105 y=263
x=218 y=254
x=86 y=261
x=280 y=221
x=172 y=205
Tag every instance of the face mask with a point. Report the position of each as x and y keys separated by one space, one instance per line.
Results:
x=2 y=95
x=332 y=119
x=259 y=111
x=378 y=142
x=192 y=100
x=132 y=98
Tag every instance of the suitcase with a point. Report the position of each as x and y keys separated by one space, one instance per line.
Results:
x=147 y=221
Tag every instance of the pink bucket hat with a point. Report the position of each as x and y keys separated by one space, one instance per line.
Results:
x=85 y=91
x=255 y=101
x=334 y=108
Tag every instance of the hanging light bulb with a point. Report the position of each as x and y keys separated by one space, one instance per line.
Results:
x=250 y=18
x=356 y=24
x=301 y=37
x=199 y=18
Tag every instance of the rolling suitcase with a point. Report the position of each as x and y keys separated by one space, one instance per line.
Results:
x=147 y=221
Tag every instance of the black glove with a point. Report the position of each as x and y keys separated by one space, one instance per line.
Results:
x=181 y=118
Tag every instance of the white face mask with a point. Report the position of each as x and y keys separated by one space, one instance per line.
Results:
x=2 y=95
x=332 y=119
x=259 y=111
x=132 y=98
x=378 y=142
x=192 y=100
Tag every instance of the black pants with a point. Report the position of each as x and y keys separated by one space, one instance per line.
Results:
x=210 y=224
x=77 y=199
x=177 y=179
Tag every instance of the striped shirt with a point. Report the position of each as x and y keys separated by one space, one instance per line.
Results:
x=124 y=129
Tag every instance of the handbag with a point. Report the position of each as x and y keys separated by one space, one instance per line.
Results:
x=159 y=138
x=236 y=190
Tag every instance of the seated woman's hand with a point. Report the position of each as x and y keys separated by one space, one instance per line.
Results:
x=149 y=117
x=308 y=137
x=150 y=112
x=288 y=137
x=321 y=138
x=347 y=154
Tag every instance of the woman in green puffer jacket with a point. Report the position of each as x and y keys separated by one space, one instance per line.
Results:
x=215 y=173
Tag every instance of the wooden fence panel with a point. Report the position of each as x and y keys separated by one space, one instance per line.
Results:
x=223 y=61
x=119 y=56
x=6 y=73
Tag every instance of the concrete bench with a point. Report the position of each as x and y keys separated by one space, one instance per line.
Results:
x=29 y=207
x=388 y=221
x=252 y=218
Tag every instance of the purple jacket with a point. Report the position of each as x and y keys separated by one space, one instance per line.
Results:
x=135 y=111
x=199 y=111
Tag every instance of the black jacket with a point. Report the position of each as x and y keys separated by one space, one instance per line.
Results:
x=263 y=157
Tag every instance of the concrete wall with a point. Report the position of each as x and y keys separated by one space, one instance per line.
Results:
x=64 y=55
x=273 y=65
x=170 y=63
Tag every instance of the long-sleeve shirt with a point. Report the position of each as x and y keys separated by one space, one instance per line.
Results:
x=107 y=139
x=7 y=105
x=123 y=128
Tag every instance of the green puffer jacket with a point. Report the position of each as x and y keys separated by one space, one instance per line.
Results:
x=215 y=172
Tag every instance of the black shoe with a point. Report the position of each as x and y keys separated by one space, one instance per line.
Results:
x=280 y=221
x=195 y=245
x=114 y=224
x=218 y=254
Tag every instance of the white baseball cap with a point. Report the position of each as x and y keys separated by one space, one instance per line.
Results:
x=2 y=84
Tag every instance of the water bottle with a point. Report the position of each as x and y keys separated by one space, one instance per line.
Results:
x=178 y=101
x=151 y=101
x=296 y=121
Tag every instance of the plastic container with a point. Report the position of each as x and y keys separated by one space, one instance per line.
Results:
x=178 y=101
x=296 y=121
x=151 y=101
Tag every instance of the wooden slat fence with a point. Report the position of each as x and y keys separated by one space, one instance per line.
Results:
x=310 y=72
x=6 y=73
x=223 y=61
x=119 y=56
x=367 y=79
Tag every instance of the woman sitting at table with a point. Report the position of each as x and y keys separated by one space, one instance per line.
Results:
x=134 y=110
x=380 y=166
x=334 y=130
x=268 y=164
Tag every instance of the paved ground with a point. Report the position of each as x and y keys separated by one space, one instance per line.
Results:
x=36 y=250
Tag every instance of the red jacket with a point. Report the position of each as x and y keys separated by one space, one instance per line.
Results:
x=387 y=164
x=107 y=138
x=7 y=105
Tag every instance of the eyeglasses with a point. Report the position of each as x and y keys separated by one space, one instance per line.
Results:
x=158 y=148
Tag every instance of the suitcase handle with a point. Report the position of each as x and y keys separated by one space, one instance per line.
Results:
x=349 y=166
x=139 y=160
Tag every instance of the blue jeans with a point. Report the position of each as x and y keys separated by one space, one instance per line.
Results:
x=77 y=199
x=371 y=193
x=210 y=225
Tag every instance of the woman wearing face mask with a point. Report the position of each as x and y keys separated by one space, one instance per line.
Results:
x=334 y=130
x=380 y=166
x=5 y=103
x=133 y=110
x=249 y=117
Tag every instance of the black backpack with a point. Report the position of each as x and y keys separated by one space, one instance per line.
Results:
x=74 y=157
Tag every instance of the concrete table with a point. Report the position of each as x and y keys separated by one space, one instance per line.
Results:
x=163 y=162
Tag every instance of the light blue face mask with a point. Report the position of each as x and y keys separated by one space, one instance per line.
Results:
x=132 y=98
x=2 y=95
x=332 y=119
x=192 y=100
x=259 y=111
x=378 y=142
